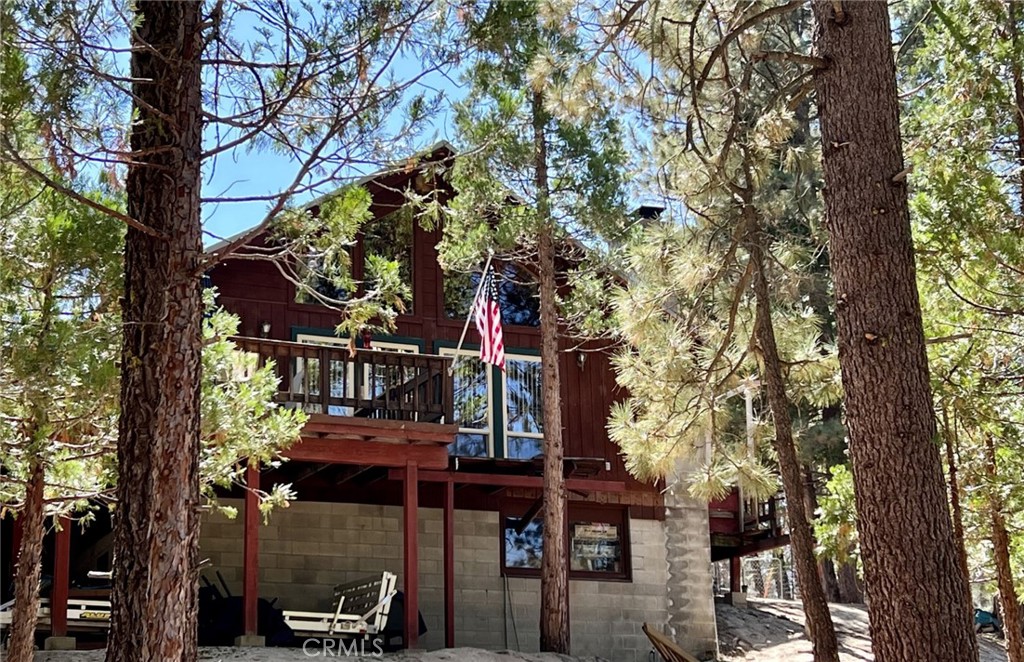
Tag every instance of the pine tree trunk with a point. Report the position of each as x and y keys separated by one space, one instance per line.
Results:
x=849 y=589
x=949 y=433
x=27 y=570
x=1008 y=601
x=1017 y=72
x=156 y=528
x=554 y=584
x=816 y=614
x=907 y=544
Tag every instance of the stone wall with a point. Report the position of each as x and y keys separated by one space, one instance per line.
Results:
x=309 y=547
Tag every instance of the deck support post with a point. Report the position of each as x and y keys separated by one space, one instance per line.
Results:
x=449 y=564
x=59 y=639
x=736 y=574
x=251 y=560
x=410 y=528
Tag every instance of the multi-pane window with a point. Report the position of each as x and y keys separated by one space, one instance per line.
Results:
x=524 y=407
x=598 y=541
x=473 y=404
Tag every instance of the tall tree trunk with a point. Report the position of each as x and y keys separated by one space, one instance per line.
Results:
x=1008 y=600
x=156 y=529
x=949 y=434
x=907 y=545
x=554 y=584
x=849 y=590
x=1017 y=72
x=816 y=613
x=826 y=568
x=27 y=570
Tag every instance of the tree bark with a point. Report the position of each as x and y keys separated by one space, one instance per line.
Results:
x=816 y=614
x=21 y=645
x=849 y=589
x=949 y=433
x=156 y=530
x=907 y=544
x=1008 y=600
x=554 y=584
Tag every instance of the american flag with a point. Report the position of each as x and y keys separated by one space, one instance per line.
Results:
x=488 y=323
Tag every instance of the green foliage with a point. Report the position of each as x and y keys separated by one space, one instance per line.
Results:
x=835 y=522
x=529 y=51
x=733 y=148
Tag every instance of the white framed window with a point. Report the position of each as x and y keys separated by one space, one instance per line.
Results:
x=473 y=404
x=374 y=379
x=524 y=406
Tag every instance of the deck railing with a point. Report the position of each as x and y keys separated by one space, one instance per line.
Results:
x=367 y=383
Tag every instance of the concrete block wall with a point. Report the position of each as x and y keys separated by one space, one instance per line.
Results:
x=309 y=547
x=691 y=600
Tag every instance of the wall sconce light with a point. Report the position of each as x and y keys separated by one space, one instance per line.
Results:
x=264 y=329
x=581 y=359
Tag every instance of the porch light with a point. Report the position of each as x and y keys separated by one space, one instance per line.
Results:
x=264 y=329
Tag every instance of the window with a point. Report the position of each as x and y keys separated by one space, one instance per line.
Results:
x=598 y=541
x=333 y=281
x=517 y=295
x=473 y=404
x=524 y=407
x=390 y=237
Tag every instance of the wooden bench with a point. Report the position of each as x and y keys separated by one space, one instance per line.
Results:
x=361 y=610
x=667 y=649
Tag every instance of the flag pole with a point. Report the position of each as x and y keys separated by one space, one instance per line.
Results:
x=472 y=309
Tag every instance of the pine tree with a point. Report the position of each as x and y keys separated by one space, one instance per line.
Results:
x=906 y=537
x=199 y=84
x=538 y=168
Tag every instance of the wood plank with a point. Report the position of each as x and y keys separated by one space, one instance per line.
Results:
x=353 y=451
x=410 y=531
x=61 y=580
x=250 y=550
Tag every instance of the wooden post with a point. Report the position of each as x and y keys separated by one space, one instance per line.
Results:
x=61 y=580
x=449 y=564
x=736 y=574
x=250 y=551
x=410 y=505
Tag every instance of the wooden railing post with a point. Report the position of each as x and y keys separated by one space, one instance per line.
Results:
x=325 y=379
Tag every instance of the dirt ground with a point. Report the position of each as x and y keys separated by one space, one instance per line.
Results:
x=295 y=654
x=766 y=631
x=773 y=631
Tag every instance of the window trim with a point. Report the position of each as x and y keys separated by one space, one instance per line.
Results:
x=488 y=432
x=577 y=513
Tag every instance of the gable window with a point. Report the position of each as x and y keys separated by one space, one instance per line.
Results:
x=524 y=407
x=598 y=541
x=517 y=295
x=473 y=404
x=390 y=237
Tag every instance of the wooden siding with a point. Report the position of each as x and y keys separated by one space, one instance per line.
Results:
x=257 y=293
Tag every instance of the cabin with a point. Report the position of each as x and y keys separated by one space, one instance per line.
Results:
x=421 y=461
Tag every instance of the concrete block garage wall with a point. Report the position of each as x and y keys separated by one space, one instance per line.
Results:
x=309 y=547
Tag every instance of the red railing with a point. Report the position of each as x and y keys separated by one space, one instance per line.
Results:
x=367 y=383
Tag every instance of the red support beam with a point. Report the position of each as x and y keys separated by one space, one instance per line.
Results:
x=250 y=550
x=61 y=580
x=505 y=480
x=410 y=506
x=736 y=574
x=449 y=565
